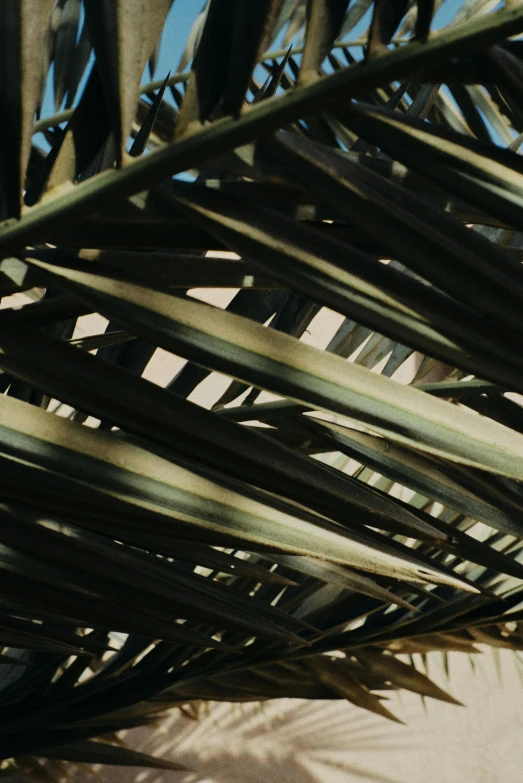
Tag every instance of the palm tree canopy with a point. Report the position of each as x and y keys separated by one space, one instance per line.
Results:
x=278 y=514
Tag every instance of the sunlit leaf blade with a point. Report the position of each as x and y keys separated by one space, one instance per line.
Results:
x=193 y=38
x=198 y=501
x=124 y=34
x=198 y=434
x=356 y=10
x=343 y=577
x=358 y=285
x=203 y=334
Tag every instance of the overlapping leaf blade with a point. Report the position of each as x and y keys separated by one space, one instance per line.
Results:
x=208 y=335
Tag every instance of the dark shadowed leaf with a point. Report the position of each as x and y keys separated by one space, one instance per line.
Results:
x=92 y=752
x=23 y=26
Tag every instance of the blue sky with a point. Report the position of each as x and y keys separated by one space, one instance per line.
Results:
x=177 y=28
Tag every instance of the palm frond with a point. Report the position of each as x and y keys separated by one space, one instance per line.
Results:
x=276 y=494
